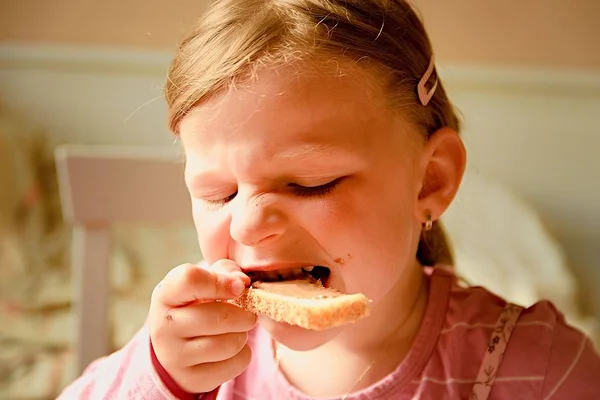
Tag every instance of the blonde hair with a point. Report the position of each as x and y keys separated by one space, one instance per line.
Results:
x=235 y=38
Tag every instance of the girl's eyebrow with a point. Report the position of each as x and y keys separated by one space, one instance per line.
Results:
x=201 y=178
x=314 y=150
x=315 y=154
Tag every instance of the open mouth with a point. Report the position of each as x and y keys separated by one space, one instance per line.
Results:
x=313 y=274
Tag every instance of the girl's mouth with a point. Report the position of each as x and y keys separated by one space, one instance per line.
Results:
x=316 y=274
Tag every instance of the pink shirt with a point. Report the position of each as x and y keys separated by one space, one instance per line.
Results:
x=545 y=359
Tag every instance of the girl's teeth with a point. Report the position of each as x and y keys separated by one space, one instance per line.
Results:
x=297 y=272
x=272 y=275
x=291 y=273
x=285 y=274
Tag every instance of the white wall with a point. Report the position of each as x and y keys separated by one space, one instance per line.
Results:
x=538 y=132
x=463 y=31
x=90 y=96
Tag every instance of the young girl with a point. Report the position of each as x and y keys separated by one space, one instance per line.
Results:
x=317 y=133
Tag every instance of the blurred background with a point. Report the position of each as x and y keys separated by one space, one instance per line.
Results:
x=524 y=75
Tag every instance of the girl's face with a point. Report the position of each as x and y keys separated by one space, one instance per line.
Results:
x=317 y=171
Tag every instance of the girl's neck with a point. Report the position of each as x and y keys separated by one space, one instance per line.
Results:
x=366 y=352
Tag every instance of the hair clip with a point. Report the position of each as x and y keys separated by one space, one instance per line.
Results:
x=424 y=96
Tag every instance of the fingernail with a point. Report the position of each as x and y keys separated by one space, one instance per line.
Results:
x=237 y=287
x=242 y=276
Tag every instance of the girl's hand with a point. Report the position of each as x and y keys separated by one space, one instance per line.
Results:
x=200 y=340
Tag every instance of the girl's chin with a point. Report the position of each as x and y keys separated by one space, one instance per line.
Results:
x=295 y=337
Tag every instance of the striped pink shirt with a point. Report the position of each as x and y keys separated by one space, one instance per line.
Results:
x=545 y=359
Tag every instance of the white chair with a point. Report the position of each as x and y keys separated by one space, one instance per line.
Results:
x=101 y=186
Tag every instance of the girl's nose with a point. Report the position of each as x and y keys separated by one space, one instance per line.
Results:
x=256 y=220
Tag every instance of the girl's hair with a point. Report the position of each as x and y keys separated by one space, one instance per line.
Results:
x=235 y=38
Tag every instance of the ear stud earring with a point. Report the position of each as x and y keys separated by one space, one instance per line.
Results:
x=428 y=222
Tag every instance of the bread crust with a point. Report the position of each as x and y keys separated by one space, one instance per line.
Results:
x=314 y=307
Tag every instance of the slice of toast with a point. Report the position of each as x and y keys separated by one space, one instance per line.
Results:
x=304 y=303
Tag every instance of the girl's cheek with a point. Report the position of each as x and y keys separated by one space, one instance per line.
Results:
x=212 y=229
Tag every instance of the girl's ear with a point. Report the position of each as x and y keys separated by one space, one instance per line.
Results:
x=443 y=164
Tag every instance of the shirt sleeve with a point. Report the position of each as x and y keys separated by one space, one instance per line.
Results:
x=573 y=370
x=173 y=386
x=126 y=374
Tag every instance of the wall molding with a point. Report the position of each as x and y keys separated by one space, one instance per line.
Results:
x=83 y=60
x=155 y=63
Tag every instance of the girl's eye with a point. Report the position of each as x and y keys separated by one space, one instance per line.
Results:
x=299 y=190
x=221 y=202
x=315 y=191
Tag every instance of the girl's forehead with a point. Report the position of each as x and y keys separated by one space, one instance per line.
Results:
x=326 y=122
x=285 y=105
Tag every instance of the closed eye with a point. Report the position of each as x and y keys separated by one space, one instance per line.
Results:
x=315 y=191
x=298 y=190
x=221 y=201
